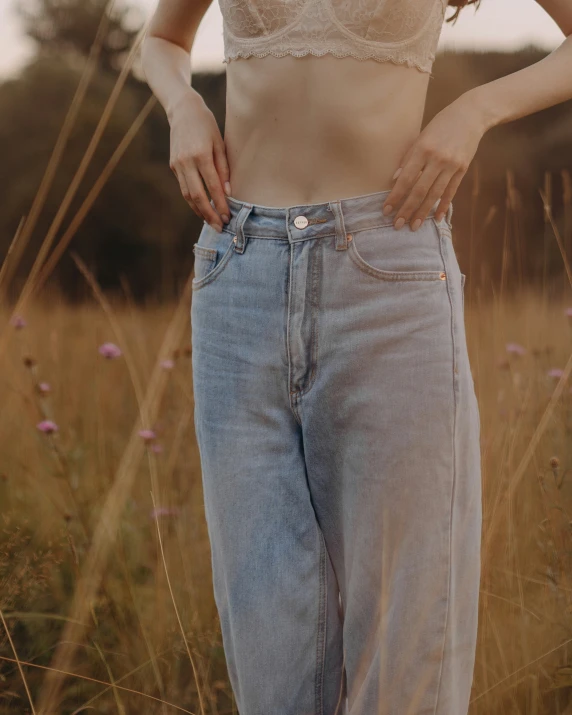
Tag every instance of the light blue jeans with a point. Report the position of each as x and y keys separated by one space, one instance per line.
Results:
x=338 y=431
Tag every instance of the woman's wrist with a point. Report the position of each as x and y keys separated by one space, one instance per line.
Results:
x=168 y=72
x=175 y=99
x=476 y=104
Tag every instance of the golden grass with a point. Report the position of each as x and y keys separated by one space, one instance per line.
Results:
x=105 y=585
x=150 y=624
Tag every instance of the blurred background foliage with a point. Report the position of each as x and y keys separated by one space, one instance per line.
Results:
x=139 y=232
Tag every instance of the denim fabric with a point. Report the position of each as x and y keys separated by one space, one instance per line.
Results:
x=338 y=431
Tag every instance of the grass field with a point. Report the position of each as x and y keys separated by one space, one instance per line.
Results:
x=136 y=612
x=106 y=601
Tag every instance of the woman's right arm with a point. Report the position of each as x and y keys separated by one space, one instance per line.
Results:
x=197 y=148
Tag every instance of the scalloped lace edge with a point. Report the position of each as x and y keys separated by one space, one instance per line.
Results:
x=244 y=54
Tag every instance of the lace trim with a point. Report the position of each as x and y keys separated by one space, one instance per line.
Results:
x=404 y=32
x=238 y=54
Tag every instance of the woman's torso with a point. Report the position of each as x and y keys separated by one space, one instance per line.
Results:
x=303 y=130
x=324 y=96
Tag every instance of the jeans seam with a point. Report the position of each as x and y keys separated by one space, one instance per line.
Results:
x=315 y=314
x=313 y=335
x=391 y=276
x=321 y=629
x=321 y=235
x=292 y=395
x=444 y=256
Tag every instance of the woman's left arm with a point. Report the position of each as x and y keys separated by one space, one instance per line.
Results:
x=435 y=163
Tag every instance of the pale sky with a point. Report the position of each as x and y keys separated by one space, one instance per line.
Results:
x=502 y=24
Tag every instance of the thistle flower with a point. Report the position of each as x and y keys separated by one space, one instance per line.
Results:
x=47 y=426
x=147 y=435
x=515 y=349
x=44 y=388
x=163 y=511
x=109 y=351
x=555 y=372
x=167 y=364
x=18 y=322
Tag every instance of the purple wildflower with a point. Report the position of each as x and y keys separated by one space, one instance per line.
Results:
x=47 y=426
x=515 y=349
x=157 y=448
x=18 y=322
x=555 y=372
x=147 y=434
x=109 y=351
x=167 y=364
x=163 y=511
x=44 y=388
x=568 y=312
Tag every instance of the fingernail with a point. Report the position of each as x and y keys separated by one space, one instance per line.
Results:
x=399 y=223
x=225 y=218
x=415 y=225
x=227 y=188
x=396 y=174
x=387 y=209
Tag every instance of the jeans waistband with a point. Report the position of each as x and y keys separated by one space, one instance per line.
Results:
x=307 y=221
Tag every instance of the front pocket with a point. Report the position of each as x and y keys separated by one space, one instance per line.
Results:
x=392 y=254
x=205 y=260
x=212 y=252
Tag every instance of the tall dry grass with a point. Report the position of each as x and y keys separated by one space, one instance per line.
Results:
x=105 y=586
x=141 y=632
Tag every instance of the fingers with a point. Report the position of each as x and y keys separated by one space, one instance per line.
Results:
x=199 y=196
x=193 y=189
x=417 y=195
x=185 y=191
x=419 y=213
x=448 y=194
x=428 y=175
x=214 y=185
x=200 y=166
x=406 y=179
x=221 y=165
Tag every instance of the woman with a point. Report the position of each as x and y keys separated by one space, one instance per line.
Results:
x=335 y=411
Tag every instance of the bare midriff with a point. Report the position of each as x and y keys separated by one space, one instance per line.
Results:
x=304 y=130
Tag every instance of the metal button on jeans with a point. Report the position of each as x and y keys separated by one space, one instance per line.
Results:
x=300 y=222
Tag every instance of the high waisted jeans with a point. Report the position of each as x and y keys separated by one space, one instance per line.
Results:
x=338 y=431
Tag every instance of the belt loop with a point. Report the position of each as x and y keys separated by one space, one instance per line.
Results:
x=341 y=236
x=240 y=239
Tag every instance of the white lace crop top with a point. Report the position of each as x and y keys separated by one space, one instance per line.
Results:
x=401 y=31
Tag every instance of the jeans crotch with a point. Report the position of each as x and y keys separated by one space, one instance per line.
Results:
x=305 y=268
x=239 y=239
x=341 y=235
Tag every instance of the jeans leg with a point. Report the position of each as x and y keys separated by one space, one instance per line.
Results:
x=274 y=584
x=392 y=452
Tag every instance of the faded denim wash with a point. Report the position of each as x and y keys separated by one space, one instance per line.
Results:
x=338 y=430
